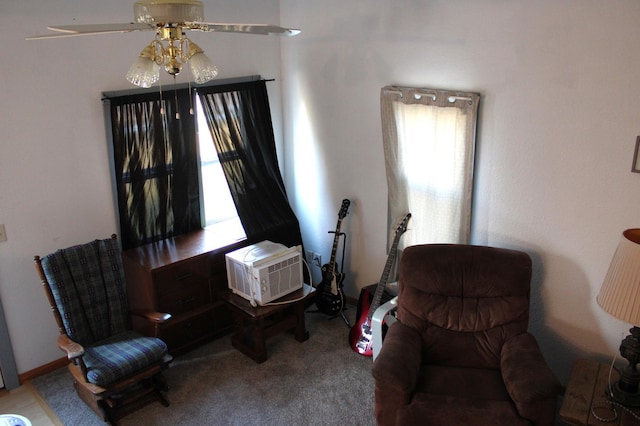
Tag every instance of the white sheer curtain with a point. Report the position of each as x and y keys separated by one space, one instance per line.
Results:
x=429 y=140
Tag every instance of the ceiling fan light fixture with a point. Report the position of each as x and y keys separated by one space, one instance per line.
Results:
x=168 y=11
x=145 y=70
x=201 y=66
x=171 y=48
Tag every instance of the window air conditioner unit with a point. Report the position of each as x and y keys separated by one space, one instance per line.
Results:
x=264 y=271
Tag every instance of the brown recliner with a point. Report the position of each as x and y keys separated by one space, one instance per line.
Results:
x=460 y=353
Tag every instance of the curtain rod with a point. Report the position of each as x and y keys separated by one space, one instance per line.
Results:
x=223 y=81
x=433 y=94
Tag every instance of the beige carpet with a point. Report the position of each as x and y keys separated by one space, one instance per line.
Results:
x=317 y=382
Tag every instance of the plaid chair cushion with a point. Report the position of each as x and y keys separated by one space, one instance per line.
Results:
x=121 y=355
x=88 y=285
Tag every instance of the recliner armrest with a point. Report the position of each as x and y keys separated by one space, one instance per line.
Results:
x=526 y=375
x=395 y=371
x=398 y=363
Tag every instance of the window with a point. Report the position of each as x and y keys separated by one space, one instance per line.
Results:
x=168 y=179
x=429 y=140
x=219 y=209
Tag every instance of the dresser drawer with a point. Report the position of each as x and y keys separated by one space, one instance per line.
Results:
x=184 y=333
x=181 y=289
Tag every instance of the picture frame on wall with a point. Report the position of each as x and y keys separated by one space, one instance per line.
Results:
x=635 y=166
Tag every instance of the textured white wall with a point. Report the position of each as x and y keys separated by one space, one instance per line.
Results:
x=557 y=128
x=55 y=187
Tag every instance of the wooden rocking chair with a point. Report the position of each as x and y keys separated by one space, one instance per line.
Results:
x=115 y=369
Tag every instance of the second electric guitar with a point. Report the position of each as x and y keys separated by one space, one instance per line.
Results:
x=330 y=296
x=360 y=334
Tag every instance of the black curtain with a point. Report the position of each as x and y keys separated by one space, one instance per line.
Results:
x=156 y=166
x=239 y=118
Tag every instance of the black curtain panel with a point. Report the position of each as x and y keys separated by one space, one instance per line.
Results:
x=156 y=166
x=239 y=118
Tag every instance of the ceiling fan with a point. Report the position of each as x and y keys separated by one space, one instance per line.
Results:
x=171 y=48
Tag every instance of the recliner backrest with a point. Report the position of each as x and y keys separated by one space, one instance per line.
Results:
x=464 y=300
x=88 y=286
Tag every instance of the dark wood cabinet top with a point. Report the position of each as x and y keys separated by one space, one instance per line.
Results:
x=183 y=247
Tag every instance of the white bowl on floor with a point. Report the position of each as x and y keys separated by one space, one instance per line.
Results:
x=13 y=420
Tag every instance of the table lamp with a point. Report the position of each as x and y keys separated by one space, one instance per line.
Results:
x=620 y=296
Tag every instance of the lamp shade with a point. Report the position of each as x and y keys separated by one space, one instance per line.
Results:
x=201 y=67
x=145 y=71
x=620 y=292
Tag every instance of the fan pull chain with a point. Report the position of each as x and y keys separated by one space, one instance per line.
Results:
x=161 y=102
x=190 y=99
x=175 y=97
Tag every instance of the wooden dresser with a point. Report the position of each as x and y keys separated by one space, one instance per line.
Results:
x=182 y=276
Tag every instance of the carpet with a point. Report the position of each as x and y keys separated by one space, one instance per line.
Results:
x=321 y=381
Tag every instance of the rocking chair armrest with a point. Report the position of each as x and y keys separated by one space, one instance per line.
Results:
x=148 y=322
x=74 y=350
x=153 y=316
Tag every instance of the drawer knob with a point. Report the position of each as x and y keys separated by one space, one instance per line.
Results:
x=186 y=300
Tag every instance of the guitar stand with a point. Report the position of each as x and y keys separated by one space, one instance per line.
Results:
x=344 y=318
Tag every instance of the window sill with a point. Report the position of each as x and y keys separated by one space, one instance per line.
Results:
x=228 y=232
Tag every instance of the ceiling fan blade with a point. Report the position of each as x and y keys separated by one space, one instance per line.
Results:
x=262 y=29
x=104 y=28
x=78 y=30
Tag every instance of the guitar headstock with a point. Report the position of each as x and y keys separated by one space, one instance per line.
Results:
x=344 y=208
x=403 y=225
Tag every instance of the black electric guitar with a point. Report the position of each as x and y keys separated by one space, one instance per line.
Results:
x=329 y=294
x=360 y=334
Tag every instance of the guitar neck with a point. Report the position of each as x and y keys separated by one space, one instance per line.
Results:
x=334 y=249
x=377 y=297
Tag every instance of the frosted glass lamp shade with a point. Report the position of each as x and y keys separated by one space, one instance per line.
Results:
x=202 y=68
x=620 y=291
x=144 y=71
